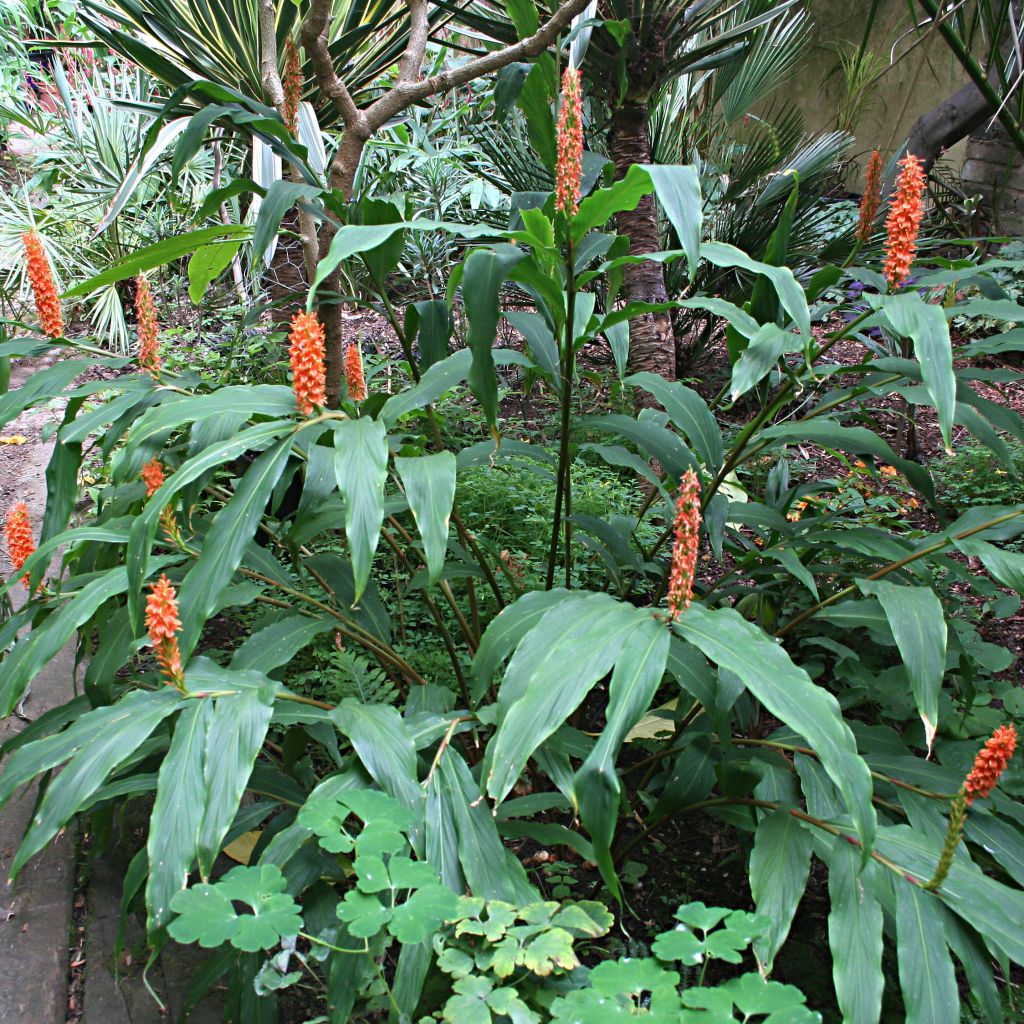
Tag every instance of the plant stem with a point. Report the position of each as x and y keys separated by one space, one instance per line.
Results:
x=563 y=492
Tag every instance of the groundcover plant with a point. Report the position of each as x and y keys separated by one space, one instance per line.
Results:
x=806 y=673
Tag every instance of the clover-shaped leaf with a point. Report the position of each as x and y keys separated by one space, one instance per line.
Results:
x=551 y=949
x=588 y=917
x=365 y=914
x=374 y=806
x=679 y=944
x=411 y=874
x=631 y=975
x=538 y=913
x=378 y=838
x=422 y=913
x=592 y=1007
x=325 y=817
x=371 y=874
x=697 y=915
x=506 y=1001
x=500 y=917
x=753 y=995
x=469 y=1006
x=455 y=962
x=207 y=915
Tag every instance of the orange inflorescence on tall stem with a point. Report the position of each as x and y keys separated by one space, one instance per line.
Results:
x=292 y=84
x=307 y=359
x=162 y=624
x=145 y=312
x=44 y=290
x=687 y=542
x=354 y=379
x=569 y=170
x=872 y=198
x=153 y=476
x=904 y=221
x=990 y=763
x=20 y=542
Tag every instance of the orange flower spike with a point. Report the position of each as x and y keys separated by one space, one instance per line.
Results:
x=569 y=170
x=292 y=83
x=872 y=198
x=44 y=290
x=354 y=378
x=145 y=312
x=904 y=221
x=20 y=543
x=307 y=359
x=687 y=542
x=991 y=762
x=162 y=623
x=153 y=476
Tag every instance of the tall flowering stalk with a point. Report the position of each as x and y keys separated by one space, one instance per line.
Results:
x=904 y=221
x=44 y=290
x=989 y=764
x=145 y=314
x=872 y=197
x=162 y=624
x=307 y=359
x=292 y=84
x=687 y=543
x=569 y=170
x=355 y=381
x=153 y=477
x=20 y=542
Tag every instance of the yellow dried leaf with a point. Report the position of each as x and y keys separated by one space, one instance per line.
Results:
x=14 y=439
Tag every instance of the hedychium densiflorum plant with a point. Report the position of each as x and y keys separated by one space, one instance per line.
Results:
x=800 y=670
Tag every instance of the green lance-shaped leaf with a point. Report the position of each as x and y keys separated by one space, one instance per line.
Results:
x=925 y=324
x=728 y=640
x=505 y=631
x=127 y=726
x=780 y=864
x=177 y=813
x=855 y=937
x=927 y=977
x=441 y=377
x=143 y=531
x=483 y=275
x=234 y=739
x=791 y=295
x=361 y=467
x=557 y=662
x=223 y=547
x=275 y=645
x=678 y=190
x=603 y=203
x=687 y=411
x=919 y=627
x=430 y=320
x=382 y=741
x=280 y=198
x=638 y=673
x=206 y=264
x=429 y=482
x=156 y=255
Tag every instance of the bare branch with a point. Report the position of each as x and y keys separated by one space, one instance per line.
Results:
x=411 y=66
x=315 y=41
x=406 y=93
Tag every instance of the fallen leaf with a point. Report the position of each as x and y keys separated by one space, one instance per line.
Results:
x=14 y=439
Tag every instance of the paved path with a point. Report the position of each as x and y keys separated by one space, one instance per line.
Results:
x=35 y=914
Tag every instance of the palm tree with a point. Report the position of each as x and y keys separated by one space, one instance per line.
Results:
x=628 y=72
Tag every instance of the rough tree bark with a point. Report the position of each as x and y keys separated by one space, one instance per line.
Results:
x=361 y=124
x=651 y=339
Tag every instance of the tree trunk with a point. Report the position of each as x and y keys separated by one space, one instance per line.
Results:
x=651 y=340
